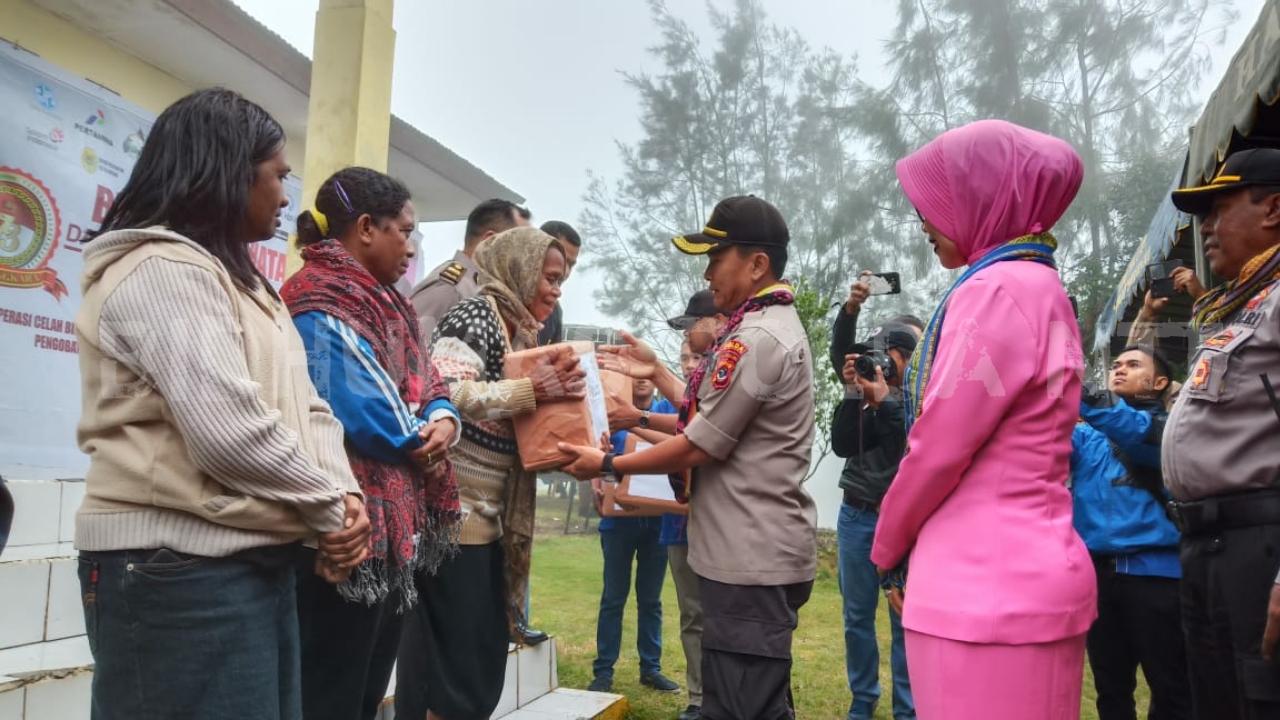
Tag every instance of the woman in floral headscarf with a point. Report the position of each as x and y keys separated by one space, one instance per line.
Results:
x=468 y=609
x=1001 y=591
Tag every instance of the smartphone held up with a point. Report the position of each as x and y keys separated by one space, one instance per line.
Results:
x=889 y=283
x=1162 y=285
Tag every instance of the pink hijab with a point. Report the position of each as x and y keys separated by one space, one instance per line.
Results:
x=991 y=181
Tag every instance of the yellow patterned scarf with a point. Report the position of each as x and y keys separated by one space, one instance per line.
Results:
x=1222 y=302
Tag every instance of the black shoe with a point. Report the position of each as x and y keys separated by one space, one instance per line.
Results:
x=534 y=637
x=601 y=684
x=659 y=682
x=690 y=713
x=530 y=637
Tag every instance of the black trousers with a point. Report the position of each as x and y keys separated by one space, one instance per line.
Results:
x=1139 y=623
x=1227 y=579
x=746 y=649
x=453 y=651
x=348 y=648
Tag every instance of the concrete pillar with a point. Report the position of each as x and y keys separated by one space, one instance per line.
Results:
x=349 y=114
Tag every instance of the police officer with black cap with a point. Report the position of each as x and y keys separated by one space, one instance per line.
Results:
x=740 y=458
x=1221 y=449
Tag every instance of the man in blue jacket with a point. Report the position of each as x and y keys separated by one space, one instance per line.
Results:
x=1120 y=513
x=628 y=542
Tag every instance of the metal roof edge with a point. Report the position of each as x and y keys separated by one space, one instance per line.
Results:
x=236 y=27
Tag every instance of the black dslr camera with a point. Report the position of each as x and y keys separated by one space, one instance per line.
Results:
x=865 y=365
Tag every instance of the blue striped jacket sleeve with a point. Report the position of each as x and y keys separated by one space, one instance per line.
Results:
x=364 y=398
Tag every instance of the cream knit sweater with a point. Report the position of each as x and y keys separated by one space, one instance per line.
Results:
x=204 y=432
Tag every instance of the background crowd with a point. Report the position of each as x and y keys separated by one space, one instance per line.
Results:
x=290 y=493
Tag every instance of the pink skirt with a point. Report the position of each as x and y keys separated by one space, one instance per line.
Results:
x=953 y=680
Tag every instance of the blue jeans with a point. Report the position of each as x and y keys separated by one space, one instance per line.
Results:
x=860 y=587
x=631 y=538
x=184 y=636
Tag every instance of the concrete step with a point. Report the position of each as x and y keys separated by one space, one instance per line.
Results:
x=531 y=674
x=56 y=697
x=44 y=513
x=566 y=704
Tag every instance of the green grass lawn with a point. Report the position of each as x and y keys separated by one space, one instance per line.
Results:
x=566 y=595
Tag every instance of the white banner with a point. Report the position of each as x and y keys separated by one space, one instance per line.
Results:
x=67 y=147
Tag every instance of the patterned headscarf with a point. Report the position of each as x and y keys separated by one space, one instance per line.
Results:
x=513 y=261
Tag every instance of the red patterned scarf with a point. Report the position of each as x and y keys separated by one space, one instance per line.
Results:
x=404 y=502
x=780 y=294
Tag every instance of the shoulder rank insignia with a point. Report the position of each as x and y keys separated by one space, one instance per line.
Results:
x=726 y=363
x=1221 y=340
x=452 y=273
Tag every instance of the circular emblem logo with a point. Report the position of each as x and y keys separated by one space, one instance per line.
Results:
x=133 y=144
x=29 y=231
x=89 y=159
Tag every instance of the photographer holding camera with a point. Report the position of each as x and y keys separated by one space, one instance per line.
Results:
x=870 y=431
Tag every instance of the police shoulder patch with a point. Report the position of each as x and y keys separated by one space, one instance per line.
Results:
x=726 y=362
x=1256 y=300
x=452 y=273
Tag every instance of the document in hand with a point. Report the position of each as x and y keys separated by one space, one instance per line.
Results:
x=609 y=506
x=650 y=493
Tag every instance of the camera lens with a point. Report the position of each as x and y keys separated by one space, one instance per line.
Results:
x=865 y=365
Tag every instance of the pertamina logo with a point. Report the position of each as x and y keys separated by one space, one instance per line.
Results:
x=29 y=231
x=92 y=126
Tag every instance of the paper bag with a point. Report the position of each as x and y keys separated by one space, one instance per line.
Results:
x=648 y=494
x=577 y=422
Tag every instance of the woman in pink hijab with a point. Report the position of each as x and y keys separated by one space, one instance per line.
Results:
x=1001 y=591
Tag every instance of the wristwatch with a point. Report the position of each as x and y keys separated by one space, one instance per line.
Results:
x=607 y=471
x=644 y=419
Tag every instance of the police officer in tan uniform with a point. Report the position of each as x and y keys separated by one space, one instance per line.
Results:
x=459 y=278
x=1221 y=449
x=740 y=456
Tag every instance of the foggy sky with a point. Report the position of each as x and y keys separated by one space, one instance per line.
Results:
x=530 y=92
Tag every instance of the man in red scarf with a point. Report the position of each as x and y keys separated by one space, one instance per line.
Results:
x=745 y=432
